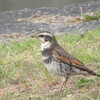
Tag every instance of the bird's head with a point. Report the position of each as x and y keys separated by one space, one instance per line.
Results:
x=46 y=38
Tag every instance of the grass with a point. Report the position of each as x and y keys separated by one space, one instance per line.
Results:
x=24 y=77
x=93 y=16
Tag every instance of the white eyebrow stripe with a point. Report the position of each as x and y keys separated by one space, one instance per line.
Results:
x=46 y=34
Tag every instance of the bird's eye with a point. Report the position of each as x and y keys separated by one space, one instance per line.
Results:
x=41 y=36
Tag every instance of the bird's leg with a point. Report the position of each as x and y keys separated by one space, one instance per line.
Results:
x=64 y=83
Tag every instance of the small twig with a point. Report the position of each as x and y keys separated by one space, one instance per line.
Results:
x=81 y=10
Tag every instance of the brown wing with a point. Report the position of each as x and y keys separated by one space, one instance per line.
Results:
x=65 y=57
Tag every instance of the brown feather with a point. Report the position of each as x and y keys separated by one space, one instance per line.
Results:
x=76 y=62
x=61 y=58
x=65 y=57
x=68 y=60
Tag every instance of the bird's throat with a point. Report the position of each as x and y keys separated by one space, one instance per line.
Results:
x=45 y=45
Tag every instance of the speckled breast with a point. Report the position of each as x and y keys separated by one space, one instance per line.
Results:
x=55 y=66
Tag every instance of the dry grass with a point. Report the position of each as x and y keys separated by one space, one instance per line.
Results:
x=63 y=21
x=24 y=77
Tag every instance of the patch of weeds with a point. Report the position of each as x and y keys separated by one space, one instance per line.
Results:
x=94 y=16
x=84 y=98
x=83 y=82
x=60 y=95
x=9 y=96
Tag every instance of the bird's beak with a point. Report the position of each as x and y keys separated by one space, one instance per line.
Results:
x=33 y=36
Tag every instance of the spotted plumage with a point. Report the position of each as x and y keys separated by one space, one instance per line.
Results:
x=58 y=61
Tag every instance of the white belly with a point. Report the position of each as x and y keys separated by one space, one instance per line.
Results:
x=55 y=68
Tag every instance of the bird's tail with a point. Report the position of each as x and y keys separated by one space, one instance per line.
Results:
x=93 y=73
x=97 y=75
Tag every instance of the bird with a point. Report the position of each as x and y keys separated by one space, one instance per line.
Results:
x=58 y=61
